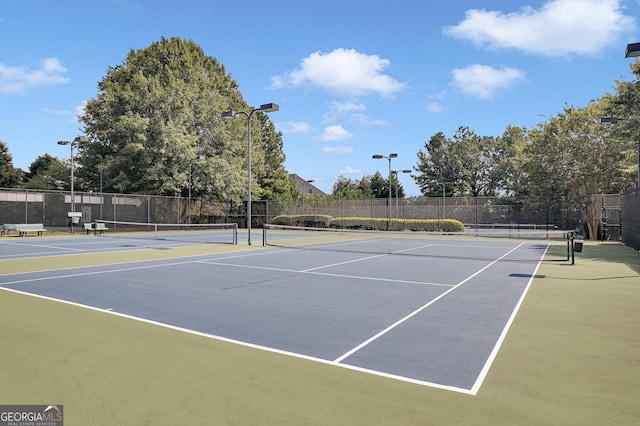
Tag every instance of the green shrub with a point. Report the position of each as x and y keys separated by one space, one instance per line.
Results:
x=423 y=225
x=310 y=220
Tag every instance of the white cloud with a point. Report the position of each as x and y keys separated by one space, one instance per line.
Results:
x=435 y=107
x=484 y=81
x=80 y=110
x=559 y=27
x=17 y=80
x=335 y=133
x=352 y=112
x=342 y=110
x=299 y=127
x=364 y=119
x=56 y=112
x=344 y=72
x=338 y=150
x=350 y=171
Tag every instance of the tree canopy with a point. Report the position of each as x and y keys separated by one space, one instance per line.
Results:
x=48 y=172
x=155 y=127
x=370 y=186
x=9 y=175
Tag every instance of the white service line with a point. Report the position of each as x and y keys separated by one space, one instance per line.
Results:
x=102 y=271
x=420 y=309
x=343 y=263
x=39 y=245
x=312 y=272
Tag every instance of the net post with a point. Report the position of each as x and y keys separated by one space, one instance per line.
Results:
x=235 y=234
x=571 y=248
x=264 y=235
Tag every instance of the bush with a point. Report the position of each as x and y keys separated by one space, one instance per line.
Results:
x=422 y=225
x=310 y=220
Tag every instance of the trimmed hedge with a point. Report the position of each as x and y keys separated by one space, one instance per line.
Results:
x=424 y=225
x=310 y=220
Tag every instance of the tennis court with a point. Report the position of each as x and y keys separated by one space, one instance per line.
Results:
x=434 y=315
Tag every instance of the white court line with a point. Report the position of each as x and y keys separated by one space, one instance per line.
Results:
x=11 y=243
x=312 y=272
x=343 y=263
x=102 y=271
x=417 y=311
x=335 y=363
x=110 y=311
x=485 y=369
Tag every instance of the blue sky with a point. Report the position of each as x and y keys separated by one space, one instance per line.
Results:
x=352 y=79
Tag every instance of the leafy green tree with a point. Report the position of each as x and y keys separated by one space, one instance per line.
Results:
x=624 y=105
x=370 y=186
x=48 y=172
x=463 y=165
x=9 y=176
x=379 y=185
x=570 y=159
x=350 y=189
x=435 y=167
x=268 y=162
x=156 y=123
x=473 y=162
x=507 y=162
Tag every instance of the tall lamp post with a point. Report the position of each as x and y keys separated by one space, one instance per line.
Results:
x=444 y=209
x=101 y=166
x=235 y=114
x=190 y=184
x=395 y=173
x=73 y=144
x=633 y=51
x=388 y=157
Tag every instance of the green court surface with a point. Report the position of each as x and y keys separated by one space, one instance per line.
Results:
x=571 y=357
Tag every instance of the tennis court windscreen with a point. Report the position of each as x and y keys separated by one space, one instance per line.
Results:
x=210 y=233
x=548 y=246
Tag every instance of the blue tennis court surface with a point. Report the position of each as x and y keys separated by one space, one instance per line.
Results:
x=436 y=319
x=16 y=248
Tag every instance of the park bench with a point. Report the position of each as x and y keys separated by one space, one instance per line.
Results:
x=7 y=228
x=24 y=228
x=95 y=227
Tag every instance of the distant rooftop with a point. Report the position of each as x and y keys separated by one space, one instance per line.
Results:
x=305 y=186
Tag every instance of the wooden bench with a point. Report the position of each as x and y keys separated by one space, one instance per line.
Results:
x=95 y=227
x=24 y=228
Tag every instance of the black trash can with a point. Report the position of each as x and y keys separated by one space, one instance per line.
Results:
x=577 y=245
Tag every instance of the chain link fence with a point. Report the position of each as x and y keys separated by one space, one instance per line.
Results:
x=630 y=221
x=51 y=209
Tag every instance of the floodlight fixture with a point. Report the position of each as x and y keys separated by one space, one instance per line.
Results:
x=632 y=51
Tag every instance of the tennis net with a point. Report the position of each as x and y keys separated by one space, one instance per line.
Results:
x=209 y=233
x=543 y=246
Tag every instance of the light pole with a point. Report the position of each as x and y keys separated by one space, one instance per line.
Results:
x=200 y=157
x=633 y=51
x=100 y=157
x=388 y=157
x=444 y=209
x=73 y=144
x=395 y=173
x=235 y=114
